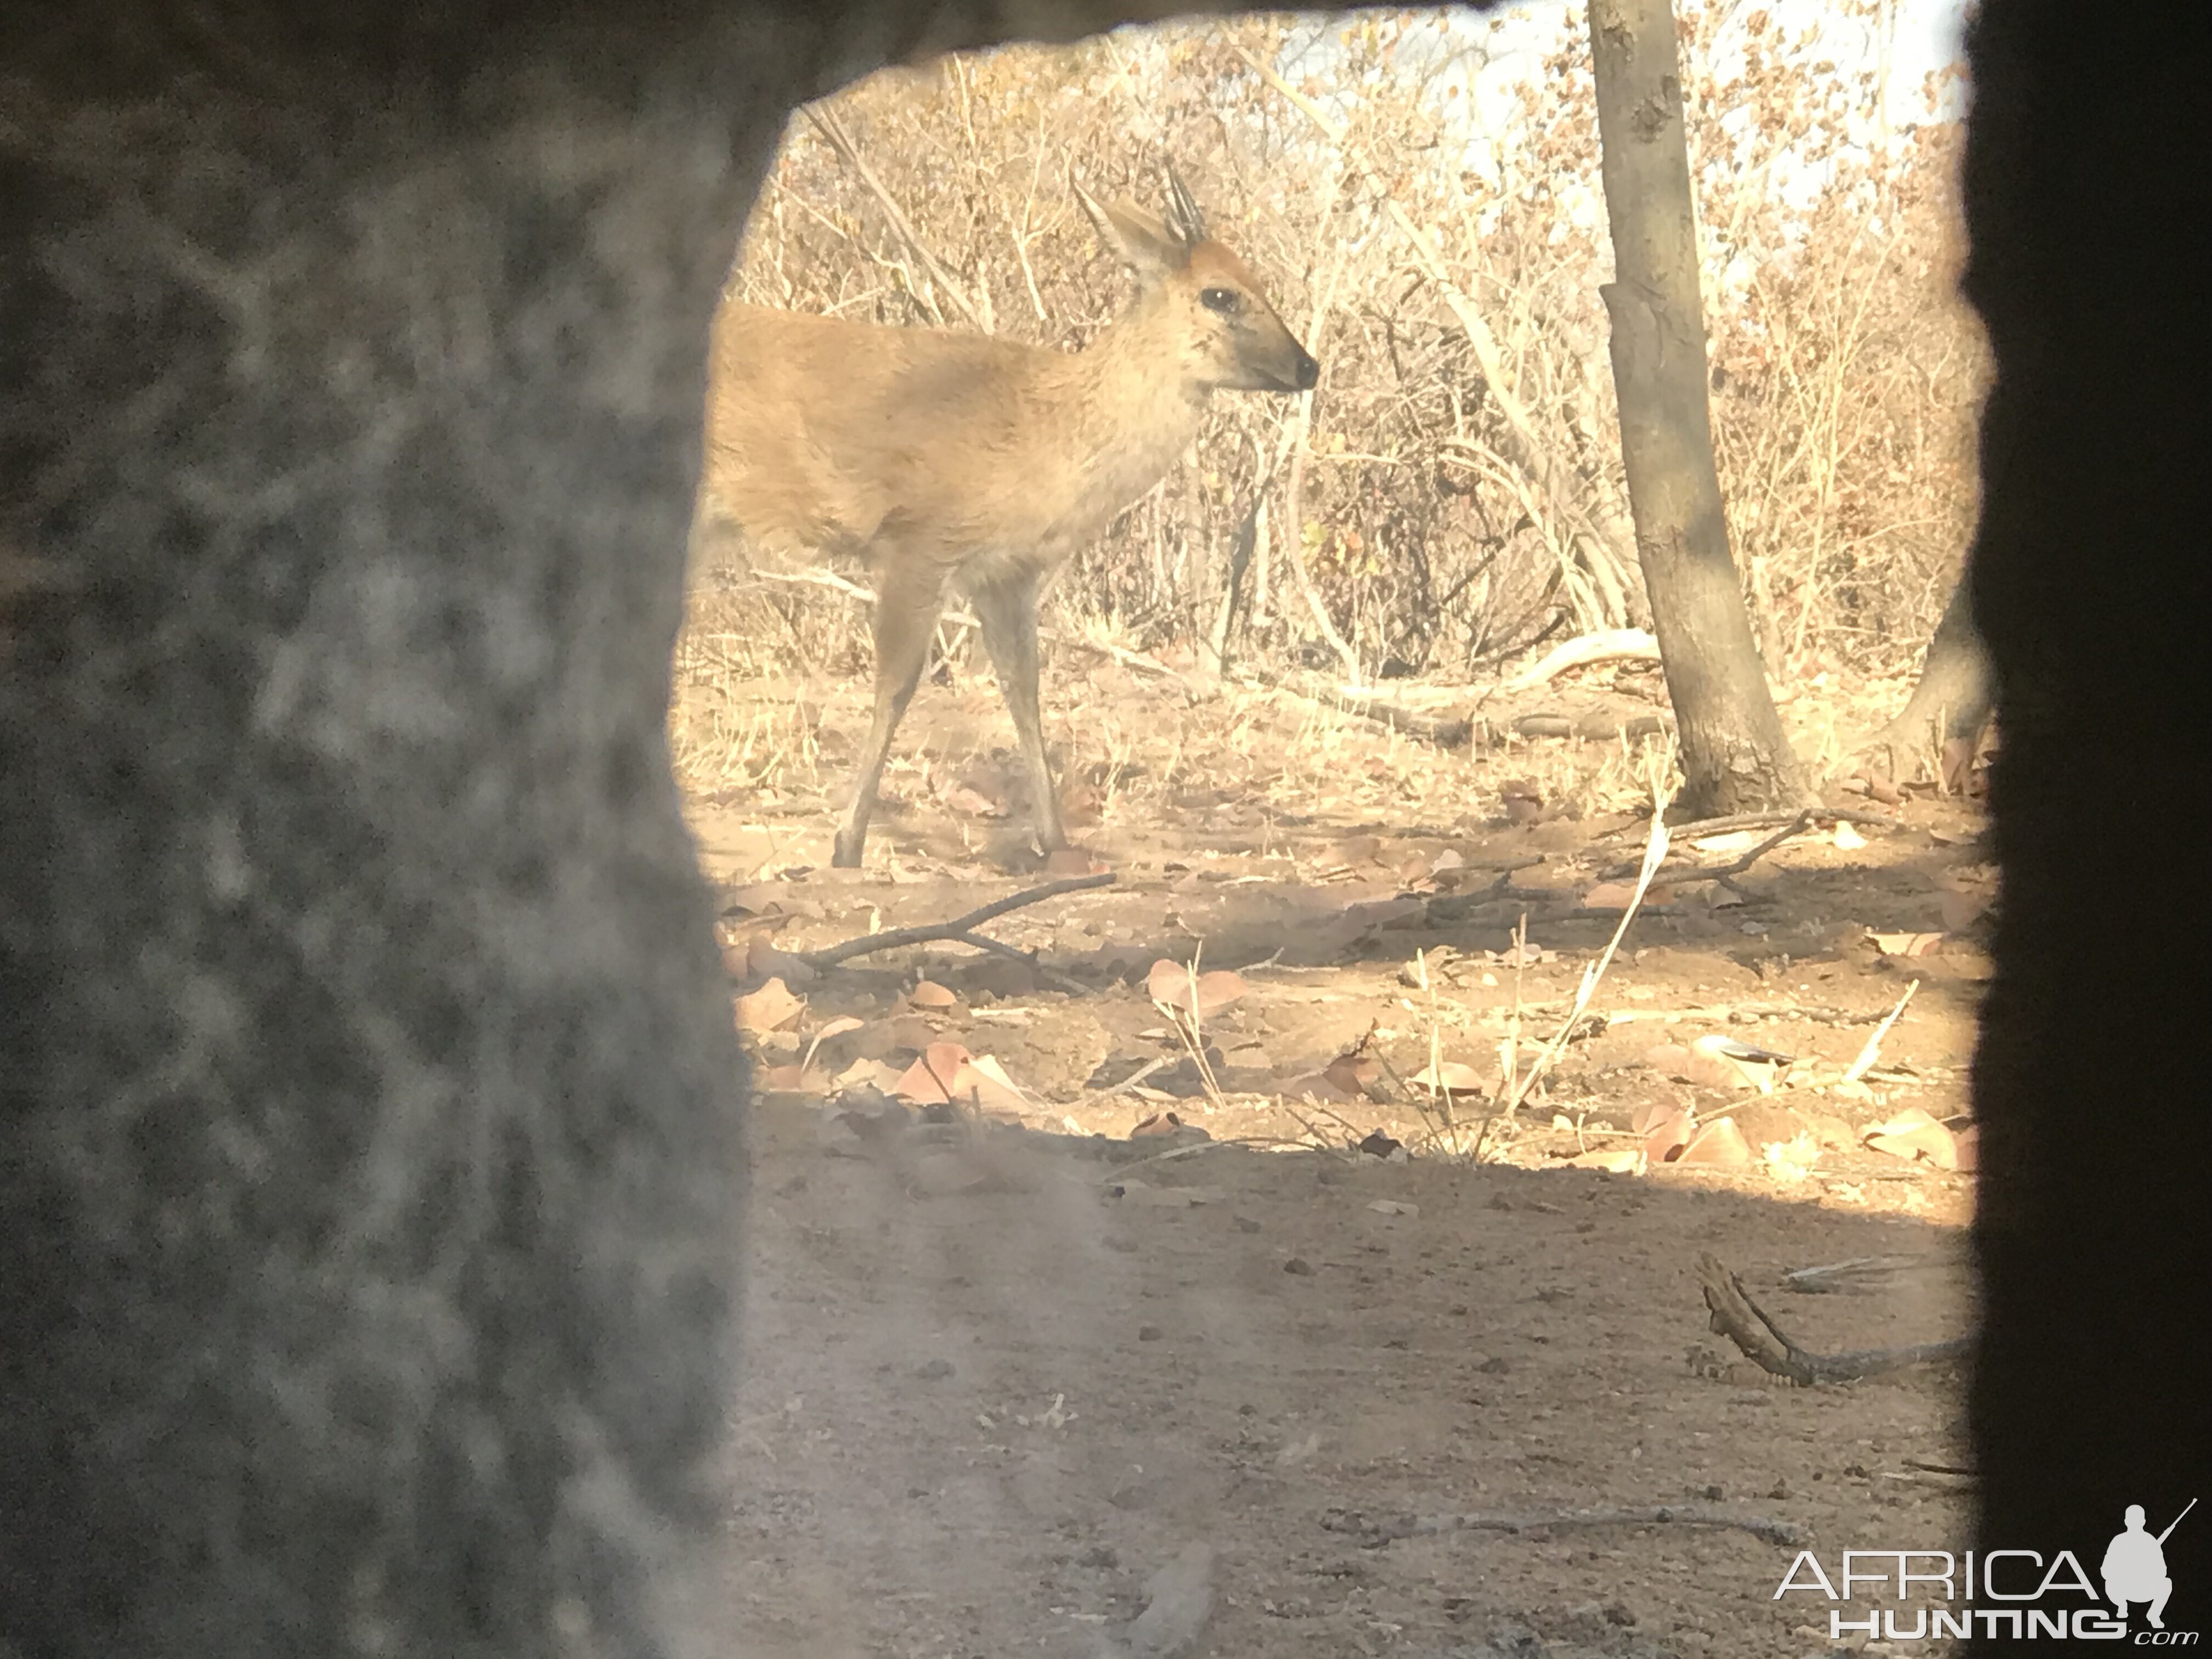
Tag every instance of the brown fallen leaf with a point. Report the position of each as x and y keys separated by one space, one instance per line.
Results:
x=946 y=1074
x=768 y=1009
x=1315 y=1086
x=1609 y=895
x=1667 y=1133
x=1171 y=987
x=985 y=1082
x=929 y=994
x=1720 y=1144
x=1913 y=1134
x=1451 y=1076
x=1709 y=1061
x=1748 y=1055
x=867 y=1075
x=934 y=1075
x=1353 y=1075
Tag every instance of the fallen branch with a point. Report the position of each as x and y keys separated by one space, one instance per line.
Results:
x=1375 y=1530
x=1746 y=1013
x=959 y=930
x=1737 y=866
x=1792 y=822
x=1744 y=1323
x=1862 y=1273
x=1445 y=734
x=1592 y=726
x=1685 y=833
x=1127 y=1085
x=1596 y=726
x=1609 y=645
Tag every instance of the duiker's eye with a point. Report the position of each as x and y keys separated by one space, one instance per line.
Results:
x=1223 y=300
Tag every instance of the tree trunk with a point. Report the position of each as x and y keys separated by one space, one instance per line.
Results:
x=1735 y=757
x=1950 y=705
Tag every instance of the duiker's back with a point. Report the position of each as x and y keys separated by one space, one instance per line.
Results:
x=821 y=432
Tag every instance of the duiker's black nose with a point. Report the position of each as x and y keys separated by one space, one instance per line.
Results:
x=1309 y=371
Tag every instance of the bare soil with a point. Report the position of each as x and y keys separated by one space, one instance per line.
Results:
x=1005 y=1359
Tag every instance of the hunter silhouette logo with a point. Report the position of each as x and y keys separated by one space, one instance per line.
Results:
x=2135 y=1566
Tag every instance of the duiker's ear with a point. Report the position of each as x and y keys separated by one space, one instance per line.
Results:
x=1144 y=244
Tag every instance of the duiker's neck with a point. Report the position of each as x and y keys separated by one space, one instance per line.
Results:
x=1113 y=418
x=1141 y=358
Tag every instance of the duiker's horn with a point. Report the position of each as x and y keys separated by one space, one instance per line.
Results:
x=1184 y=219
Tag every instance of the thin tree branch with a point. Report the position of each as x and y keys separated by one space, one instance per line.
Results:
x=959 y=929
x=826 y=123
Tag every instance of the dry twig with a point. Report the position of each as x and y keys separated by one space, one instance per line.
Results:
x=959 y=930
x=826 y=123
x=1375 y=1530
x=1748 y=1325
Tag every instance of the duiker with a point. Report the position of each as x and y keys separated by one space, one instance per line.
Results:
x=958 y=461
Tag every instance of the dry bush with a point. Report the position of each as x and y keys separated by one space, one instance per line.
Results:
x=1454 y=484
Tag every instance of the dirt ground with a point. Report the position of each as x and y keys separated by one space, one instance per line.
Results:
x=1008 y=1355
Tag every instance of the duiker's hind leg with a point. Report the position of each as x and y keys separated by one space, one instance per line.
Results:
x=1007 y=610
x=908 y=599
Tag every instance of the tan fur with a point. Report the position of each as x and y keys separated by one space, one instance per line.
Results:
x=944 y=460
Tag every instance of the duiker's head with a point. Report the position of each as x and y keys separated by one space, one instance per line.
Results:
x=1228 y=334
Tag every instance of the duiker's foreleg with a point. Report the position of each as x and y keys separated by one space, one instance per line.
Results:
x=908 y=599
x=1007 y=609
